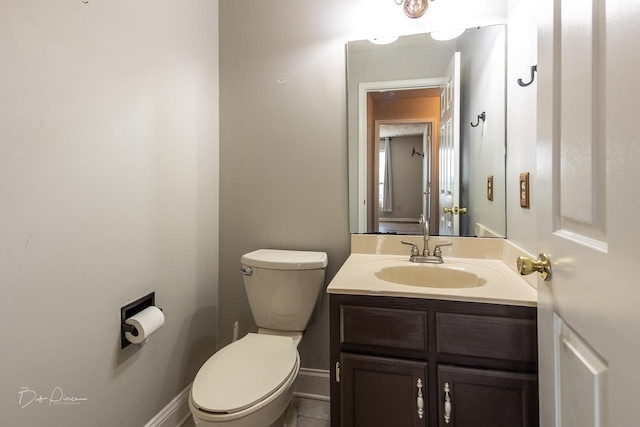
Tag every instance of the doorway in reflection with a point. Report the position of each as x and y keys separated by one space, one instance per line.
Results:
x=402 y=141
x=404 y=176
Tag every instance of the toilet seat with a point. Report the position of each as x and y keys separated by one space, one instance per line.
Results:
x=244 y=373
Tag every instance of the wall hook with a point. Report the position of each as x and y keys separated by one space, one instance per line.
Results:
x=534 y=69
x=482 y=117
x=416 y=153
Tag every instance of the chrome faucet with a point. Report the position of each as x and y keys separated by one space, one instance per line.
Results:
x=436 y=258
x=424 y=224
x=426 y=257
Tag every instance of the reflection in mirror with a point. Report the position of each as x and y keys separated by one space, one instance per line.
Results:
x=403 y=167
x=412 y=146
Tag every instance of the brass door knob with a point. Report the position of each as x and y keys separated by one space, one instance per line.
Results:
x=447 y=210
x=542 y=265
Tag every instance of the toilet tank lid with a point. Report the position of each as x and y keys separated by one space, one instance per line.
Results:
x=278 y=259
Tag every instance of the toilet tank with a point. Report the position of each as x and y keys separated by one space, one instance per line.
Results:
x=283 y=286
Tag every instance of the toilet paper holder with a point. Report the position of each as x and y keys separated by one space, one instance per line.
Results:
x=130 y=328
x=130 y=310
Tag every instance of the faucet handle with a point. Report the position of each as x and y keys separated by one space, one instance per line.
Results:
x=414 y=247
x=437 y=251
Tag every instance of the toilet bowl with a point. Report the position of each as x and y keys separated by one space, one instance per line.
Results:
x=249 y=383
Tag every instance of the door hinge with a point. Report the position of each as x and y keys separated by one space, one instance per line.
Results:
x=337 y=372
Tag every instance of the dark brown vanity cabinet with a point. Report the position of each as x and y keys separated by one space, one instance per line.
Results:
x=400 y=362
x=383 y=391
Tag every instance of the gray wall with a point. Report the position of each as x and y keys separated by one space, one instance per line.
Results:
x=282 y=146
x=283 y=132
x=108 y=191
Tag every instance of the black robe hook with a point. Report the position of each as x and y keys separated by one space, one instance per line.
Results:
x=482 y=117
x=534 y=69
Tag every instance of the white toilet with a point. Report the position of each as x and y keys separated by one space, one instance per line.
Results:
x=249 y=383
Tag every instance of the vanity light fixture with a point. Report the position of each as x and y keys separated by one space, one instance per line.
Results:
x=383 y=40
x=413 y=8
x=447 y=34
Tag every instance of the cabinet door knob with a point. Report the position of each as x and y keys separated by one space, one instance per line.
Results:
x=542 y=265
x=447 y=404
x=420 y=400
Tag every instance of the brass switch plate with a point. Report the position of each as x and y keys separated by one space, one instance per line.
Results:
x=524 y=190
x=490 y=187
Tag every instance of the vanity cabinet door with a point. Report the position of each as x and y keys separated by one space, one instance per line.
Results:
x=382 y=392
x=470 y=397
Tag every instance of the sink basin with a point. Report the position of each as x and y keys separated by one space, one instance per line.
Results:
x=457 y=279
x=430 y=276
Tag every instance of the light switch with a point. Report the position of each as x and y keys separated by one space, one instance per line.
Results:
x=524 y=190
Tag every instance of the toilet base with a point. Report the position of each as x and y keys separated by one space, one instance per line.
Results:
x=290 y=418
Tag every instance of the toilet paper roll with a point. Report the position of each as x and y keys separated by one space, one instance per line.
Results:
x=146 y=322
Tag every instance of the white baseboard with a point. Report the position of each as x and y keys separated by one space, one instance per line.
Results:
x=312 y=384
x=175 y=414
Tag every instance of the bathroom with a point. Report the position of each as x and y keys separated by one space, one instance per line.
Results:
x=146 y=147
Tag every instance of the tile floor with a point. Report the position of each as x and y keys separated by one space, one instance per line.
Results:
x=311 y=413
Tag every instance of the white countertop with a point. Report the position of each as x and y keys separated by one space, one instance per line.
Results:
x=357 y=276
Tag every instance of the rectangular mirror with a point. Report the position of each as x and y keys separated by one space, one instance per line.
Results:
x=427 y=134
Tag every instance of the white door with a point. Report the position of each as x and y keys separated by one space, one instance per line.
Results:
x=449 y=150
x=588 y=175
